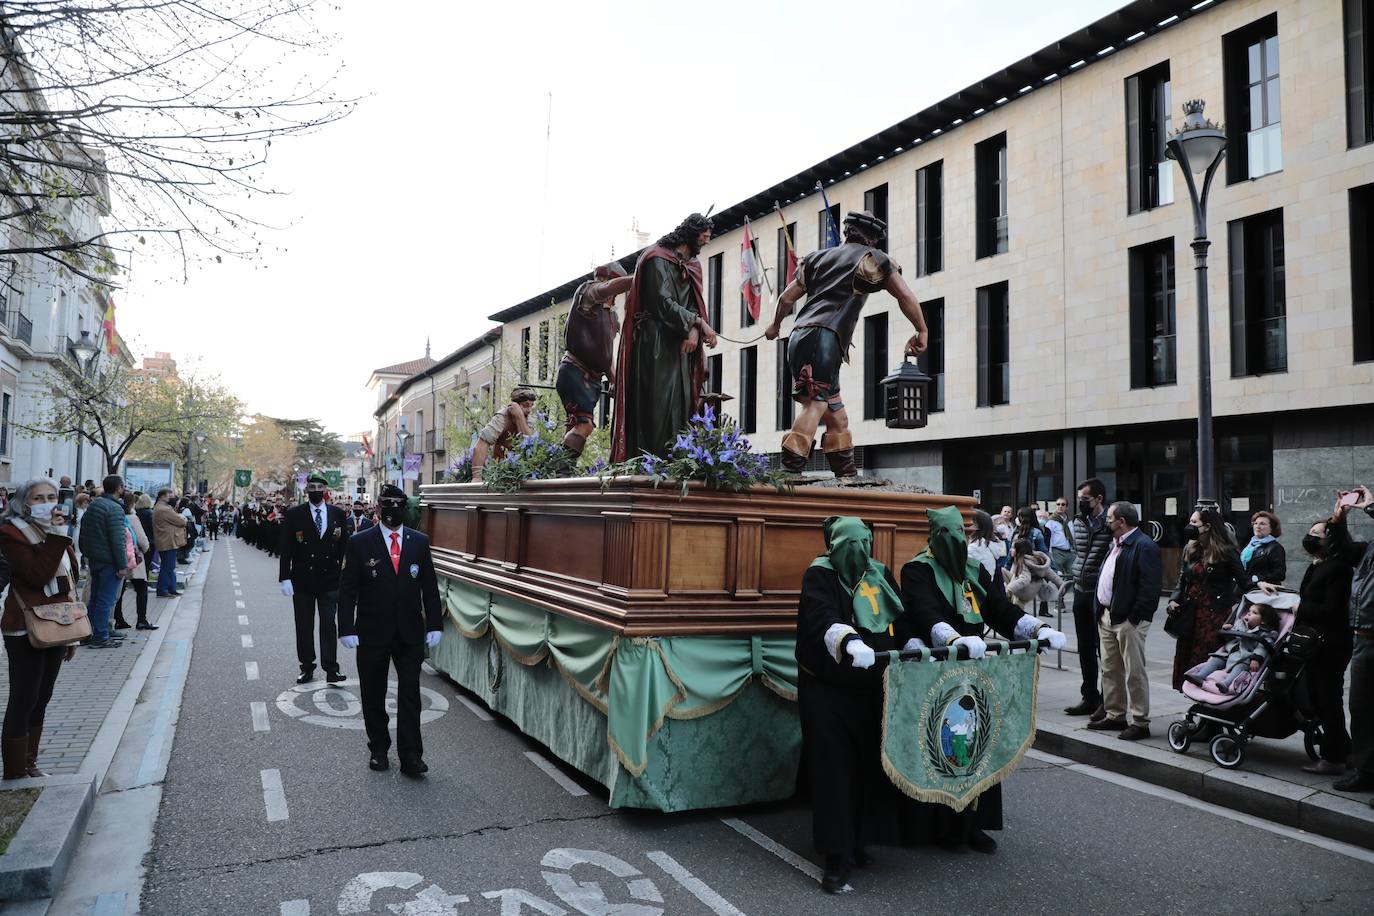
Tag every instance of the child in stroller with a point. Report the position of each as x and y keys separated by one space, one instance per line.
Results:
x=1246 y=652
x=1264 y=702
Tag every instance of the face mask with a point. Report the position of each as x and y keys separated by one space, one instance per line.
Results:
x=1085 y=506
x=1312 y=544
x=316 y=497
x=358 y=513
x=1190 y=532
x=392 y=516
x=42 y=512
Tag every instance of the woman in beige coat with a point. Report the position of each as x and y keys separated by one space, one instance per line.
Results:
x=169 y=534
x=138 y=577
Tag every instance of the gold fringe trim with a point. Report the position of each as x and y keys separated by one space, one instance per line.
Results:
x=528 y=661
x=946 y=798
x=678 y=696
x=458 y=623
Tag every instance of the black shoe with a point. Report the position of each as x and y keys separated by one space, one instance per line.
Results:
x=378 y=762
x=306 y=677
x=981 y=842
x=145 y=625
x=1099 y=714
x=836 y=875
x=1085 y=708
x=414 y=766
x=1133 y=732
x=335 y=677
x=1355 y=782
x=121 y=625
x=1108 y=725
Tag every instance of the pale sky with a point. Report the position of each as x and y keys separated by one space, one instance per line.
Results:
x=426 y=211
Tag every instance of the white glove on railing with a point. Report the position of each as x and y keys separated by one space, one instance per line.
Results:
x=348 y=642
x=913 y=644
x=1026 y=627
x=432 y=638
x=942 y=634
x=287 y=588
x=975 y=645
x=1055 y=638
x=834 y=636
x=860 y=653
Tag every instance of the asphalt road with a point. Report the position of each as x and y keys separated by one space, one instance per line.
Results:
x=271 y=809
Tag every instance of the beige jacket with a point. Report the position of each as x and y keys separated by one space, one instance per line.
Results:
x=169 y=528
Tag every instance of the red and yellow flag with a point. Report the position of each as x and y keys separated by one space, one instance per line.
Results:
x=107 y=325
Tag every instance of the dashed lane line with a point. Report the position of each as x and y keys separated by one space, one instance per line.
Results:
x=274 y=796
x=260 y=723
x=250 y=671
x=473 y=708
x=247 y=640
x=803 y=865
x=240 y=605
x=555 y=774
x=694 y=885
x=295 y=908
x=243 y=620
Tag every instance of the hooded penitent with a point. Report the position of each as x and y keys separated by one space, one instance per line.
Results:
x=849 y=549
x=956 y=573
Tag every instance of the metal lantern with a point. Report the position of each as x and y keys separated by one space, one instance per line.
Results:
x=905 y=396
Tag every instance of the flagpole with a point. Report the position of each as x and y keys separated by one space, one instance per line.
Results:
x=833 y=232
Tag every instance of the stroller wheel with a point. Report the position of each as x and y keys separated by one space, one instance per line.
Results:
x=1309 y=744
x=1180 y=737
x=1227 y=751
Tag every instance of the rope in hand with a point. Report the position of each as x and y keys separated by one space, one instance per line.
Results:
x=746 y=342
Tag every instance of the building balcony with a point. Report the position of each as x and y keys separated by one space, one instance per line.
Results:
x=434 y=442
x=17 y=325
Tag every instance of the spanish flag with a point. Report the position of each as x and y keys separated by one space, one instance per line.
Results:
x=107 y=326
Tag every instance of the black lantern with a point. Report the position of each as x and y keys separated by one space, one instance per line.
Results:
x=905 y=394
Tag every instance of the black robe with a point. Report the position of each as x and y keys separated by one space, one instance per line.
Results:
x=841 y=710
x=926 y=606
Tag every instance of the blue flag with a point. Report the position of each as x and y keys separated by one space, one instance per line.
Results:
x=832 y=232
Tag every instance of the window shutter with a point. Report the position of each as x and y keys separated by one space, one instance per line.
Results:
x=1134 y=152
x=1240 y=364
x=984 y=341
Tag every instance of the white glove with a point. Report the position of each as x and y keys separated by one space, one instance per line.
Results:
x=975 y=645
x=861 y=654
x=1026 y=627
x=348 y=642
x=913 y=644
x=1055 y=638
x=833 y=636
x=432 y=638
x=287 y=588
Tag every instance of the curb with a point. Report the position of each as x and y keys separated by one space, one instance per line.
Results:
x=42 y=850
x=1323 y=813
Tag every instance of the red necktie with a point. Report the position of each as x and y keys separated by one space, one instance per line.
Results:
x=396 y=552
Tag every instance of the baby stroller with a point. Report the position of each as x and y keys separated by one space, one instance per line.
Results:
x=1273 y=705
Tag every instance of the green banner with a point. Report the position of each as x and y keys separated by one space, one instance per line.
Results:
x=953 y=729
x=334 y=479
x=243 y=478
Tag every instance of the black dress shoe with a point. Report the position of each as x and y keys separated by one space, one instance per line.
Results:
x=1355 y=782
x=981 y=842
x=306 y=677
x=121 y=625
x=335 y=677
x=414 y=766
x=1133 y=732
x=145 y=625
x=1108 y=725
x=1084 y=708
x=836 y=875
x=1099 y=713
x=378 y=762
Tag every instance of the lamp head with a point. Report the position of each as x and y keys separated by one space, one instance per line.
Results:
x=1199 y=142
x=84 y=350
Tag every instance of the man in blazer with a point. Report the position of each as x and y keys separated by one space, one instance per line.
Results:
x=312 y=544
x=358 y=521
x=389 y=611
x=1127 y=595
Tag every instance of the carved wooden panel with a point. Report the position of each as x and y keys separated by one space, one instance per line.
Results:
x=515 y=537
x=615 y=559
x=748 y=557
x=696 y=557
x=649 y=554
x=883 y=536
x=568 y=545
x=493 y=534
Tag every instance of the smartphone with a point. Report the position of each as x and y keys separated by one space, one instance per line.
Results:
x=1349 y=499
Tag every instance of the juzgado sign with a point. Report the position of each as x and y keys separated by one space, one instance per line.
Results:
x=953 y=729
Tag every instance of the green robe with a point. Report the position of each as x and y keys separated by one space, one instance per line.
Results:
x=658 y=392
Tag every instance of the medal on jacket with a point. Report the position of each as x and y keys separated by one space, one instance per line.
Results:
x=414 y=570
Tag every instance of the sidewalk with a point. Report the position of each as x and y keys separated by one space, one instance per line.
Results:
x=1269 y=783
x=95 y=695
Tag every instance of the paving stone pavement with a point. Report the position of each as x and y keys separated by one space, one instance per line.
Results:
x=86 y=690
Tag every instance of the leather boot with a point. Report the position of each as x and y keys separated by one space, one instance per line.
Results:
x=31 y=758
x=796 y=451
x=15 y=752
x=839 y=452
x=574 y=443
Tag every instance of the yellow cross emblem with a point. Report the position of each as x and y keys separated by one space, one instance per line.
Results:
x=866 y=590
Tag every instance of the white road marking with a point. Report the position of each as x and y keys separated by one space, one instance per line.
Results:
x=515 y=900
x=694 y=885
x=274 y=796
x=473 y=708
x=805 y=866
x=238 y=591
x=555 y=774
x=295 y=908
x=247 y=640
x=1127 y=782
x=250 y=671
x=357 y=893
x=240 y=605
x=243 y=620
x=260 y=723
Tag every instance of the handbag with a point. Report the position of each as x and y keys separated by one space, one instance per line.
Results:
x=54 y=625
x=1180 y=622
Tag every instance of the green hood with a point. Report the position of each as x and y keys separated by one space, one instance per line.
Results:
x=849 y=544
x=956 y=573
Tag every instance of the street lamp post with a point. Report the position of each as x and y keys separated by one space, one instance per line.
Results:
x=402 y=437
x=1197 y=147
x=85 y=352
x=200 y=453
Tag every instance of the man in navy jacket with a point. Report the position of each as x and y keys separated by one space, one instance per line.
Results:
x=1127 y=595
x=389 y=611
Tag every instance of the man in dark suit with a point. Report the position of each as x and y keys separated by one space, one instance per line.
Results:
x=1126 y=599
x=389 y=611
x=312 y=544
x=358 y=521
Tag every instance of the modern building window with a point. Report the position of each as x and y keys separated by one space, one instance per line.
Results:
x=1250 y=58
x=1361 y=281
x=875 y=202
x=748 y=389
x=932 y=362
x=875 y=364
x=1359 y=72
x=1153 y=332
x=715 y=373
x=1259 y=323
x=544 y=349
x=930 y=217
x=994 y=346
x=785 y=277
x=828 y=233
x=990 y=165
x=715 y=279
x=1149 y=174
x=559 y=342
x=5 y=402
x=524 y=354
x=784 y=411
